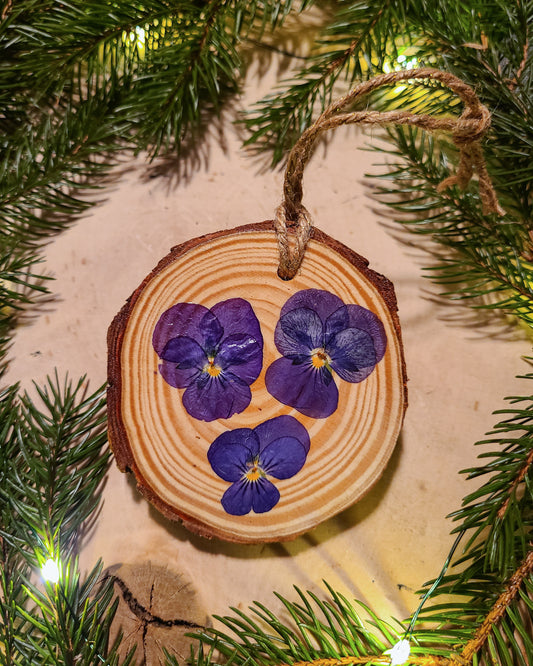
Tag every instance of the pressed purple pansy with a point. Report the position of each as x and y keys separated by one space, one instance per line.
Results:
x=246 y=458
x=213 y=353
x=319 y=335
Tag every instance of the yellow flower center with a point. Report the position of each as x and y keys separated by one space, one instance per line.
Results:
x=212 y=369
x=255 y=472
x=319 y=358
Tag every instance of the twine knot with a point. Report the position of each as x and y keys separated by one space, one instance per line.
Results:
x=291 y=254
x=471 y=125
x=467 y=131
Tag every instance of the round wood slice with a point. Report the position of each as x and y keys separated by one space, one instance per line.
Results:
x=153 y=436
x=156 y=608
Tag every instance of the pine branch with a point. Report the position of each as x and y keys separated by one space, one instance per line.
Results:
x=53 y=460
x=355 y=45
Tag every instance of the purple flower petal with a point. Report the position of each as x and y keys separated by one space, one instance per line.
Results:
x=367 y=321
x=243 y=354
x=218 y=398
x=178 y=377
x=211 y=332
x=302 y=387
x=185 y=352
x=281 y=426
x=352 y=354
x=265 y=495
x=236 y=317
x=336 y=322
x=238 y=498
x=283 y=458
x=324 y=303
x=298 y=331
x=242 y=496
x=230 y=452
x=181 y=319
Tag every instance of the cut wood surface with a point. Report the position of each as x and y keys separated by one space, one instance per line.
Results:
x=153 y=436
x=156 y=607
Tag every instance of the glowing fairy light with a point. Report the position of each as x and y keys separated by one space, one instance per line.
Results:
x=399 y=653
x=140 y=36
x=50 y=571
x=136 y=37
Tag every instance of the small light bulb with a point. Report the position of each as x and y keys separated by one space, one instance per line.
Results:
x=50 y=571
x=399 y=653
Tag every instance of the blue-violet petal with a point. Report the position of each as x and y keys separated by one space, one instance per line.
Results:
x=324 y=303
x=352 y=353
x=236 y=317
x=230 y=452
x=185 y=352
x=312 y=392
x=281 y=426
x=298 y=331
x=283 y=458
x=212 y=332
x=178 y=377
x=265 y=495
x=238 y=498
x=210 y=398
x=181 y=319
x=243 y=354
x=367 y=321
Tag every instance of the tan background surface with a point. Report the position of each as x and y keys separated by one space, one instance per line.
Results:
x=397 y=537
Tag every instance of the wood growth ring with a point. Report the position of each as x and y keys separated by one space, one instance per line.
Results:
x=154 y=436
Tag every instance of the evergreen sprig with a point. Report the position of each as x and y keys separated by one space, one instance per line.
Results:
x=53 y=461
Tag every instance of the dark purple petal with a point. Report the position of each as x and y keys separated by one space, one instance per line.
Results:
x=299 y=331
x=185 y=352
x=230 y=452
x=281 y=426
x=283 y=458
x=242 y=496
x=336 y=322
x=352 y=354
x=236 y=316
x=211 y=332
x=238 y=498
x=217 y=398
x=243 y=354
x=181 y=319
x=176 y=377
x=265 y=495
x=302 y=387
x=367 y=321
x=324 y=303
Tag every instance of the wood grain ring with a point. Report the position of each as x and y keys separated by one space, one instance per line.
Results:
x=153 y=436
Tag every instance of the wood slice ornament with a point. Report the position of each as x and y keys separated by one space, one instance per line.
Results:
x=253 y=401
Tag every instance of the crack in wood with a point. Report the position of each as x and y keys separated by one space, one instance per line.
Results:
x=144 y=614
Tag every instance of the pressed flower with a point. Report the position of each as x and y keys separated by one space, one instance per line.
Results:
x=247 y=458
x=213 y=353
x=319 y=336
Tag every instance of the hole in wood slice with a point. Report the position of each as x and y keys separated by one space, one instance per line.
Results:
x=214 y=331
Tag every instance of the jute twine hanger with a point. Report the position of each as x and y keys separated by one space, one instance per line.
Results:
x=467 y=131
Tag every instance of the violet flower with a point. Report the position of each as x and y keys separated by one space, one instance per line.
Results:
x=246 y=458
x=214 y=354
x=318 y=336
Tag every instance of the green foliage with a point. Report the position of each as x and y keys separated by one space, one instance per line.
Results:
x=53 y=460
x=313 y=629
x=355 y=45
